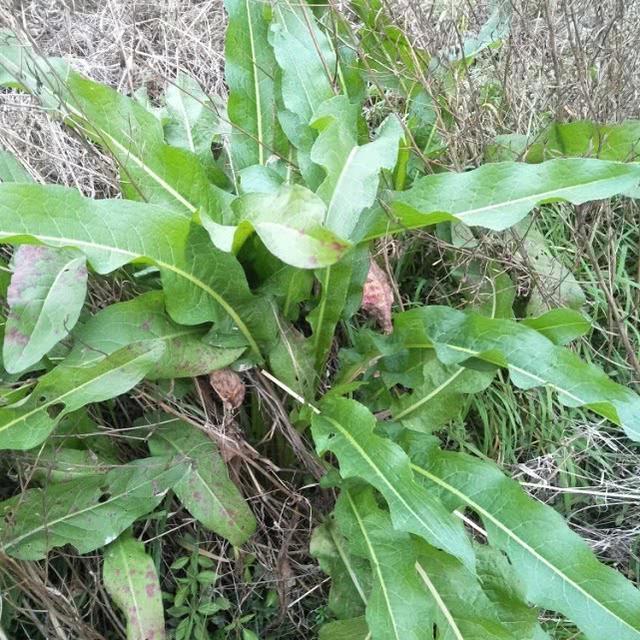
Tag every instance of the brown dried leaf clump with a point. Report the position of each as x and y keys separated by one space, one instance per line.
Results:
x=377 y=297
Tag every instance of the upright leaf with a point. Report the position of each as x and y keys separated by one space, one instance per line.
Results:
x=556 y=566
x=142 y=319
x=205 y=490
x=532 y=359
x=397 y=608
x=352 y=171
x=67 y=388
x=87 y=513
x=46 y=294
x=201 y=283
x=499 y=195
x=250 y=71
x=346 y=428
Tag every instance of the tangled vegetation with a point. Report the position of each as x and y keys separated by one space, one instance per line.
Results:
x=245 y=232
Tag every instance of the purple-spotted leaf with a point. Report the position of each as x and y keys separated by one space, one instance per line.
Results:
x=46 y=294
x=131 y=579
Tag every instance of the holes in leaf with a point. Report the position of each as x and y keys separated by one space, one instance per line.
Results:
x=55 y=410
x=104 y=497
x=42 y=399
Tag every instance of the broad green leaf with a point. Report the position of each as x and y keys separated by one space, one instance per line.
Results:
x=346 y=428
x=491 y=34
x=553 y=284
x=354 y=629
x=87 y=513
x=46 y=294
x=440 y=397
x=67 y=388
x=52 y=463
x=532 y=359
x=350 y=574
x=142 y=319
x=397 y=608
x=130 y=578
x=291 y=361
x=11 y=170
x=558 y=569
x=352 y=171
x=561 y=326
x=150 y=169
x=201 y=283
x=499 y=195
x=205 y=490
x=289 y=223
x=250 y=71
x=463 y=611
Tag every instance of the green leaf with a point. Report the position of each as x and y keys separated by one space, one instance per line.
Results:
x=130 y=578
x=558 y=569
x=46 y=294
x=397 y=607
x=355 y=629
x=291 y=361
x=142 y=319
x=150 y=169
x=11 y=170
x=499 y=195
x=346 y=428
x=201 y=283
x=289 y=223
x=205 y=490
x=350 y=574
x=532 y=359
x=352 y=171
x=52 y=463
x=87 y=513
x=250 y=70
x=561 y=326
x=67 y=388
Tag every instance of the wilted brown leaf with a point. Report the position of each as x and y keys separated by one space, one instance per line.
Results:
x=377 y=297
x=229 y=387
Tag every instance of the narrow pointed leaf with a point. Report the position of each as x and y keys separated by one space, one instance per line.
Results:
x=397 y=608
x=290 y=224
x=205 y=490
x=67 y=388
x=131 y=579
x=346 y=428
x=46 y=294
x=250 y=70
x=87 y=513
x=497 y=196
x=142 y=319
x=532 y=359
x=352 y=171
x=556 y=566
x=201 y=283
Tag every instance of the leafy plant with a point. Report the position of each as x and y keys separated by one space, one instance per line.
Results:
x=255 y=258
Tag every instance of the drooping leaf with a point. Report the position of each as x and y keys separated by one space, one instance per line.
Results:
x=499 y=195
x=46 y=294
x=397 y=607
x=67 y=388
x=346 y=428
x=350 y=574
x=250 y=71
x=205 y=490
x=150 y=169
x=352 y=171
x=87 y=513
x=201 y=283
x=558 y=569
x=561 y=326
x=141 y=319
x=11 y=170
x=130 y=578
x=289 y=222
x=532 y=359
